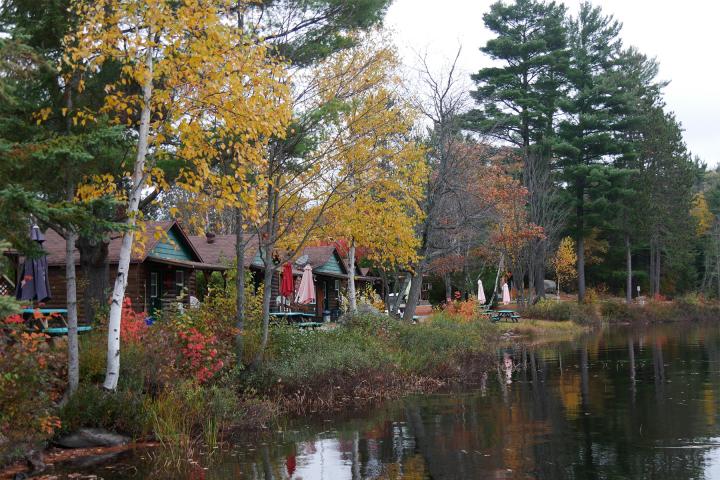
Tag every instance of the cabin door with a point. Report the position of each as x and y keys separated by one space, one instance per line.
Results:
x=326 y=300
x=155 y=287
x=320 y=293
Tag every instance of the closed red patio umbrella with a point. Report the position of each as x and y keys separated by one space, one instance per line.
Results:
x=287 y=284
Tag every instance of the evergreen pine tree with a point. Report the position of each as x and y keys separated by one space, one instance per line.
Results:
x=594 y=114
x=517 y=101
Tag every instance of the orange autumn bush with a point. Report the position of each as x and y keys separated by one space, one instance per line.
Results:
x=31 y=373
x=461 y=310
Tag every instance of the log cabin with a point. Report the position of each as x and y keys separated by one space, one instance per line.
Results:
x=162 y=270
x=330 y=271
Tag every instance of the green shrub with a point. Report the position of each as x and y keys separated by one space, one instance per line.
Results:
x=92 y=406
x=298 y=357
x=440 y=340
x=372 y=324
x=618 y=311
x=189 y=412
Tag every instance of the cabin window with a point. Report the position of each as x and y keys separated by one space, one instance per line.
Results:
x=179 y=280
x=153 y=284
x=337 y=285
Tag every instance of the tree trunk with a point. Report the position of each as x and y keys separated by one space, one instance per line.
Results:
x=557 y=288
x=239 y=286
x=385 y=290
x=581 y=268
x=580 y=246
x=267 y=296
x=628 y=263
x=70 y=276
x=96 y=271
x=539 y=269
x=413 y=296
x=352 y=297
x=112 y=373
x=448 y=288
x=72 y=315
x=717 y=264
x=652 y=266
x=398 y=297
x=658 y=253
x=501 y=264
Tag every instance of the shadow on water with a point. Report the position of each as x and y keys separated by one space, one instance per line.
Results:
x=620 y=404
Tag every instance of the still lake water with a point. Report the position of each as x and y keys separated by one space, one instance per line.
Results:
x=619 y=404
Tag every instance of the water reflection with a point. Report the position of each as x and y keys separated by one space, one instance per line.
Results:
x=615 y=405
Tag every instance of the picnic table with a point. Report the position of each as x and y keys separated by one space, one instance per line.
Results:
x=64 y=330
x=309 y=325
x=507 y=315
x=46 y=311
x=292 y=316
x=49 y=313
x=45 y=314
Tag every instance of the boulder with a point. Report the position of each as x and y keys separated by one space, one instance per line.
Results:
x=91 y=437
x=367 y=309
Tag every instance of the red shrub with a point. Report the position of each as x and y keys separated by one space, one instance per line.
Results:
x=17 y=318
x=132 y=325
x=200 y=354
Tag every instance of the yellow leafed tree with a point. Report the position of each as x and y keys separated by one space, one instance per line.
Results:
x=191 y=86
x=700 y=211
x=565 y=262
x=382 y=169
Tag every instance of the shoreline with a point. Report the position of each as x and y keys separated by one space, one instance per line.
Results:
x=278 y=399
x=357 y=393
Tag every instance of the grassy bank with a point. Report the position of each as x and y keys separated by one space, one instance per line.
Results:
x=687 y=308
x=548 y=330
x=370 y=358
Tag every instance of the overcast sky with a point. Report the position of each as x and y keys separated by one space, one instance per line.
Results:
x=683 y=35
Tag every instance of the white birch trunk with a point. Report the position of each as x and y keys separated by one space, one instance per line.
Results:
x=113 y=353
x=72 y=315
x=351 y=279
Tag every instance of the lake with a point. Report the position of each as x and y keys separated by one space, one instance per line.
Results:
x=624 y=403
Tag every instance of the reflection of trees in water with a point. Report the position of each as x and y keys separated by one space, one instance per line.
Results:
x=608 y=409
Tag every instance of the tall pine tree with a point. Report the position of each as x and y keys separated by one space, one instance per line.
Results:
x=594 y=110
x=517 y=101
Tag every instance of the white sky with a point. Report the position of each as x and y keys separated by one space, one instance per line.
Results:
x=683 y=35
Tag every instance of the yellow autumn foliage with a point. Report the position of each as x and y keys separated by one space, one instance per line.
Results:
x=381 y=166
x=217 y=95
x=700 y=211
x=565 y=261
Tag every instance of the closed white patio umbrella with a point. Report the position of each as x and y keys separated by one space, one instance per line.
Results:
x=481 y=293
x=306 y=292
